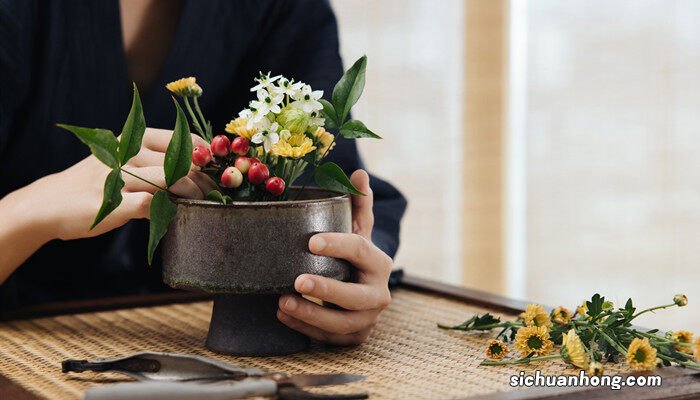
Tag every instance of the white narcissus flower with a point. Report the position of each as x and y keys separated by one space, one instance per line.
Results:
x=264 y=81
x=267 y=102
x=316 y=119
x=256 y=114
x=267 y=137
x=307 y=100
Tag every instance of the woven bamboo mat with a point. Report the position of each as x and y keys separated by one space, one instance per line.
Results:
x=406 y=356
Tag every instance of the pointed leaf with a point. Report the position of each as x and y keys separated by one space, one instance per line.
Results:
x=329 y=114
x=162 y=212
x=102 y=143
x=111 y=197
x=134 y=128
x=178 y=156
x=355 y=129
x=219 y=197
x=349 y=88
x=330 y=176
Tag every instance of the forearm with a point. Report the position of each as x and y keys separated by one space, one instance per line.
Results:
x=21 y=232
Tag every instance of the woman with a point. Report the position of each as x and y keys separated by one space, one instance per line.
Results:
x=72 y=62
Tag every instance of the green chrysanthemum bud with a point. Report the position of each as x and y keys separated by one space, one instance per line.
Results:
x=294 y=120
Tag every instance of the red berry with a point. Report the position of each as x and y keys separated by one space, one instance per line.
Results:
x=220 y=145
x=240 y=146
x=275 y=186
x=231 y=178
x=243 y=164
x=258 y=173
x=201 y=156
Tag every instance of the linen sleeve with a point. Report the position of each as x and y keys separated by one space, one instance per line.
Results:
x=299 y=39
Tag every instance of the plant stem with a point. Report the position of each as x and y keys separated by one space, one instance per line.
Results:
x=204 y=121
x=613 y=343
x=197 y=127
x=522 y=360
x=316 y=165
x=652 y=309
x=147 y=181
x=688 y=364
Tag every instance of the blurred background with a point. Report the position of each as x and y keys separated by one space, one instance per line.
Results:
x=549 y=150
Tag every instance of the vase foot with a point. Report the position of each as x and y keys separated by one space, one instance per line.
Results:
x=247 y=325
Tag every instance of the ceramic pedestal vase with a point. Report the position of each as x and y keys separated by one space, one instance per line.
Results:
x=248 y=254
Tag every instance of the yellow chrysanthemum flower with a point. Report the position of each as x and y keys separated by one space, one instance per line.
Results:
x=683 y=337
x=595 y=369
x=582 y=309
x=239 y=127
x=496 y=349
x=533 y=339
x=185 y=87
x=535 y=315
x=325 y=141
x=572 y=350
x=561 y=315
x=697 y=350
x=297 y=146
x=640 y=355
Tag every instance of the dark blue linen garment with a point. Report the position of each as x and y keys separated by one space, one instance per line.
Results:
x=63 y=61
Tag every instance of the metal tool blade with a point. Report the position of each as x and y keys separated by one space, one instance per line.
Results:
x=303 y=380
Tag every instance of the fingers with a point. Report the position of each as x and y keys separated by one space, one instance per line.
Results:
x=158 y=139
x=321 y=335
x=362 y=253
x=362 y=215
x=147 y=158
x=203 y=181
x=350 y=296
x=185 y=187
x=327 y=319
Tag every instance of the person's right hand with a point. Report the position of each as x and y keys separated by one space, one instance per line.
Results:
x=71 y=198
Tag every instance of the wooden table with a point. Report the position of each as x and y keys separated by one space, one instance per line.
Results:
x=678 y=383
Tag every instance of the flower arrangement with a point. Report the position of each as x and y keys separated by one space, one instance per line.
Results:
x=257 y=157
x=595 y=333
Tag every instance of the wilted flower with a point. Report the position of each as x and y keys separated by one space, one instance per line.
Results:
x=297 y=146
x=595 y=369
x=582 y=309
x=239 y=127
x=535 y=315
x=185 y=87
x=293 y=119
x=572 y=350
x=496 y=349
x=561 y=315
x=641 y=356
x=681 y=300
x=682 y=337
x=533 y=339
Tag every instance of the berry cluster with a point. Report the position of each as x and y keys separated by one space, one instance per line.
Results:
x=231 y=162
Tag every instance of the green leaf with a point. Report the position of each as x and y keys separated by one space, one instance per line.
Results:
x=217 y=196
x=355 y=129
x=178 y=156
x=134 y=128
x=349 y=88
x=162 y=212
x=595 y=306
x=329 y=114
x=111 y=197
x=330 y=176
x=102 y=143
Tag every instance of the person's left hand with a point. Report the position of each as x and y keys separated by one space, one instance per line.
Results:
x=362 y=302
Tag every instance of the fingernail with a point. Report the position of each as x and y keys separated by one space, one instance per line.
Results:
x=307 y=285
x=291 y=304
x=318 y=243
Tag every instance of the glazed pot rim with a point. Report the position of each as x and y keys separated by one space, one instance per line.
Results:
x=334 y=198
